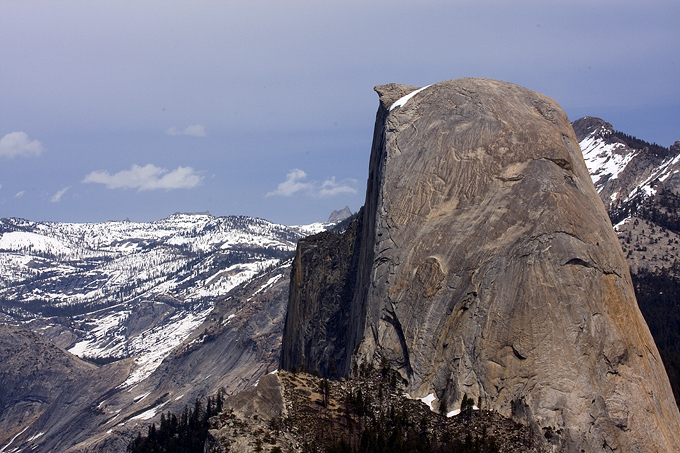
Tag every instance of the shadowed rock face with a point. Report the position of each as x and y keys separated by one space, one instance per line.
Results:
x=321 y=289
x=490 y=268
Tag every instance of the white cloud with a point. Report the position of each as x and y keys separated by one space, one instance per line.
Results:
x=197 y=130
x=18 y=144
x=148 y=177
x=292 y=184
x=19 y=194
x=57 y=196
x=329 y=188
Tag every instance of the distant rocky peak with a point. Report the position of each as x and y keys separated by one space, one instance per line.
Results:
x=339 y=216
x=625 y=169
x=675 y=147
x=592 y=126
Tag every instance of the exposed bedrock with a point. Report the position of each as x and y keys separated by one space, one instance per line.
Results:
x=490 y=268
x=319 y=309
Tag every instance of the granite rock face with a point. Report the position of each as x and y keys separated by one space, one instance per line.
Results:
x=321 y=290
x=48 y=397
x=490 y=268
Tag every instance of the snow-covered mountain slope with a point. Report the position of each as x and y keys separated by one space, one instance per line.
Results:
x=625 y=170
x=122 y=289
x=52 y=401
x=639 y=184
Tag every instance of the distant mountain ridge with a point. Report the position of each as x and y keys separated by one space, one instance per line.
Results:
x=626 y=169
x=639 y=183
x=152 y=305
x=113 y=290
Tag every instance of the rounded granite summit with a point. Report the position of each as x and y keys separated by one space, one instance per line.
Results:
x=488 y=267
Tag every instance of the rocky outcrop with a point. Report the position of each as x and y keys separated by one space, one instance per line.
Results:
x=247 y=416
x=299 y=412
x=323 y=277
x=675 y=147
x=490 y=268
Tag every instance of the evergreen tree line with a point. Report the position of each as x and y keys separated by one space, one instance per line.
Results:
x=396 y=428
x=658 y=296
x=636 y=143
x=183 y=433
x=46 y=309
x=398 y=431
x=662 y=209
x=396 y=437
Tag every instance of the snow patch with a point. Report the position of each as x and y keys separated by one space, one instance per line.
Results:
x=621 y=223
x=139 y=398
x=455 y=412
x=32 y=438
x=80 y=348
x=13 y=438
x=603 y=160
x=146 y=415
x=269 y=283
x=313 y=228
x=32 y=243
x=159 y=342
x=226 y=321
x=404 y=99
x=429 y=400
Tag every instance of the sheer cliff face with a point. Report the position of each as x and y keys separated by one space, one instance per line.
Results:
x=318 y=317
x=490 y=268
x=495 y=270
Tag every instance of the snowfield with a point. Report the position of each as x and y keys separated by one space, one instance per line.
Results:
x=127 y=289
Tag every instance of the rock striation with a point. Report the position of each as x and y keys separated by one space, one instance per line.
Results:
x=486 y=266
x=49 y=397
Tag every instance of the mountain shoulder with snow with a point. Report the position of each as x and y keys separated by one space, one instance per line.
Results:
x=149 y=306
x=625 y=169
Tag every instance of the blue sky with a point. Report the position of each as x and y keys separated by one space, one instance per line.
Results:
x=113 y=110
